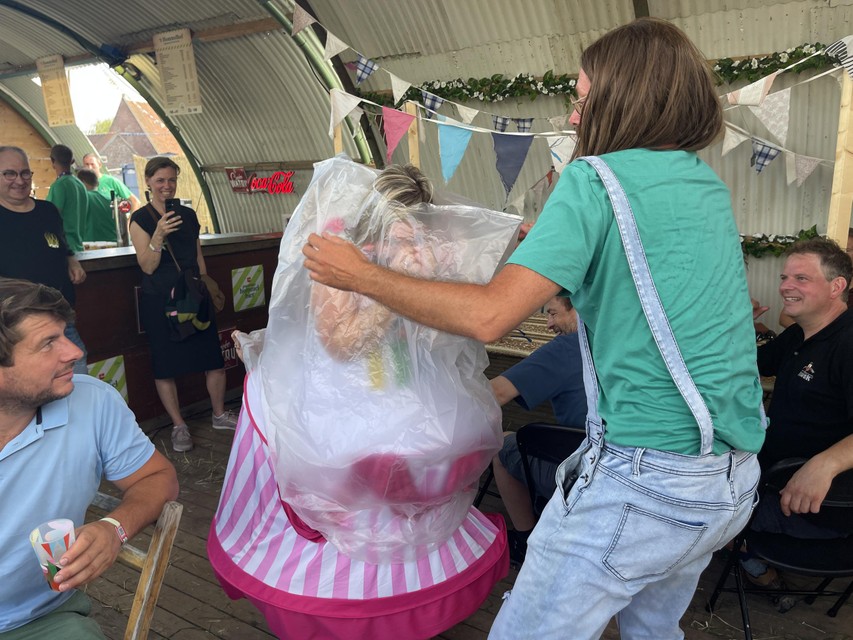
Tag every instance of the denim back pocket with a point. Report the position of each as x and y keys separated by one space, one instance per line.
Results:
x=645 y=544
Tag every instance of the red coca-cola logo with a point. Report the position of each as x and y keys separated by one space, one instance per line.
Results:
x=278 y=182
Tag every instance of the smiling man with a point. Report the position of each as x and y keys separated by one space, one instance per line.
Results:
x=811 y=414
x=59 y=435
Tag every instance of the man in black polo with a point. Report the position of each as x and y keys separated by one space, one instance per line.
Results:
x=811 y=414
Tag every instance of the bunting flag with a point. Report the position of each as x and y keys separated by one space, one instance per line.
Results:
x=342 y=104
x=500 y=123
x=733 y=138
x=843 y=49
x=431 y=102
x=511 y=152
x=762 y=155
x=799 y=167
x=399 y=87
x=562 y=148
x=559 y=122
x=752 y=94
x=333 y=46
x=518 y=204
x=395 y=123
x=364 y=68
x=466 y=114
x=452 y=144
x=774 y=114
x=524 y=125
x=301 y=19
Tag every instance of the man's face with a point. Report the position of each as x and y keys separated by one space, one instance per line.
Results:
x=14 y=193
x=91 y=162
x=806 y=293
x=560 y=319
x=43 y=362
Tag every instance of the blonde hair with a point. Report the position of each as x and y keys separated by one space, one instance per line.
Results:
x=650 y=87
x=404 y=183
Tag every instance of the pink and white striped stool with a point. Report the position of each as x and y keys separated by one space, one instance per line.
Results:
x=309 y=590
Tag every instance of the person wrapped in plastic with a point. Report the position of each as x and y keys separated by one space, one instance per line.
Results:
x=373 y=429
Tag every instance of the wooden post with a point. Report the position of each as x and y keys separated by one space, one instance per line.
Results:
x=339 y=139
x=841 y=199
x=414 y=144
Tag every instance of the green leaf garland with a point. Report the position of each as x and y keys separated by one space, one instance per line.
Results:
x=760 y=245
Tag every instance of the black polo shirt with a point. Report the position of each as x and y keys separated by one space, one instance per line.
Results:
x=812 y=406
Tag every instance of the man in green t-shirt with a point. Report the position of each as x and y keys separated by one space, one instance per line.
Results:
x=68 y=194
x=100 y=224
x=107 y=183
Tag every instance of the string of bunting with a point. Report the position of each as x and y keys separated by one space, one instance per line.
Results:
x=511 y=148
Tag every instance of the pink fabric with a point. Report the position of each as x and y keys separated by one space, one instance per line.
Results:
x=309 y=590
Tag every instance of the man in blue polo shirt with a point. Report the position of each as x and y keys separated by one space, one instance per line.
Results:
x=59 y=435
x=553 y=372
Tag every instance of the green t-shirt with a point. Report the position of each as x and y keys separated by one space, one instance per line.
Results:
x=100 y=224
x=69 y=196
x=684 y=216
x=107 y=183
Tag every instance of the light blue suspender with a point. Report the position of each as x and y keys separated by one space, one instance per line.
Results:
x=653 y=310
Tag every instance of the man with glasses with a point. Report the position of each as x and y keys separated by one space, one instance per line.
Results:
x=32 y=239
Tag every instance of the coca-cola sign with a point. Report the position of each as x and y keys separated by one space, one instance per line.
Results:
x=278 y=182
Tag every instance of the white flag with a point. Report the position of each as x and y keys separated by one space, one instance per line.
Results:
x=752 y=94
x=732 y=139
x=799 y=167
x=334 y=46
x=467 y=114
x=774 y=113
x=559 y=122
x=561 y=148
x=399 y=87
x=342 y=104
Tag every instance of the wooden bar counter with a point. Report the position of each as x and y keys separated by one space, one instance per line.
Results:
x=108 y=319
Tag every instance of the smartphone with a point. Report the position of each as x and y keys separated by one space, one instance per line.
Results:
x=172 y=204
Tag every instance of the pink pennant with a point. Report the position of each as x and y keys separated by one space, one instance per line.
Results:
x=395 y=123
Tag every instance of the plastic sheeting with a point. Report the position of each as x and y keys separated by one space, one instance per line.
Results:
x=378 y=427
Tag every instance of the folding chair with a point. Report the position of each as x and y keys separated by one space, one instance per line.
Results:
x=152 y=564
x=824 y=558
x=548 y=442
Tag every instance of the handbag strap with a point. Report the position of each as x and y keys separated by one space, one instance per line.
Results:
x=154 y=217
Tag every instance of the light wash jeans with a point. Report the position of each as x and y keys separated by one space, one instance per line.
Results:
x=629 y=538
x=71 y=334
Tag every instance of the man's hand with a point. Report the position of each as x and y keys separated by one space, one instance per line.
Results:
x=807 y=488
x=334 y=262
x=757 y=309
x=93 y=552
x=75 y=271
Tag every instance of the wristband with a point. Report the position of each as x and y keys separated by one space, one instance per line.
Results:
x=151 y=246
x=119 y=529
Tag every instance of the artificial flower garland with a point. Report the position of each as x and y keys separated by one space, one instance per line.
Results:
x=525 y=85
x=760 y=244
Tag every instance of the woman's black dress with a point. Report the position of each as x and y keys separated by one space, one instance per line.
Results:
x=199 y=352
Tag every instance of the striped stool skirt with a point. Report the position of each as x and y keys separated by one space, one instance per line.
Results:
x=309 y=590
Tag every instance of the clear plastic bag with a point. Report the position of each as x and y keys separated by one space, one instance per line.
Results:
x=379 y=427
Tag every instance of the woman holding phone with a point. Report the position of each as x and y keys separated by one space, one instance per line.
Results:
x=164 y=232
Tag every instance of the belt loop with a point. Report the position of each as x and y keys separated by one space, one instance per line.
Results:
x=732 y=464
x=635 y=463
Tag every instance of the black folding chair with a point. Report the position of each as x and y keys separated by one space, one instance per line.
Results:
x=547 y=442
x=825 y=558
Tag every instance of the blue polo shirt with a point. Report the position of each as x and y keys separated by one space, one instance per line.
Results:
x=553 y=372
x=53 y=470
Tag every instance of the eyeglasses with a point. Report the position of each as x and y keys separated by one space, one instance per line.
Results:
x=11 y=175
x=578 y=103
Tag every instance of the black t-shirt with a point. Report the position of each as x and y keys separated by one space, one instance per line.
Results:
x=33 y=247
x=182 y=242
x=812 y=406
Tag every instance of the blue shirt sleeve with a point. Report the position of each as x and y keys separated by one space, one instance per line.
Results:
x=553 y=372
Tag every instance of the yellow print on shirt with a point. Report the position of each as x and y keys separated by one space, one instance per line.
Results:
x=52 y=240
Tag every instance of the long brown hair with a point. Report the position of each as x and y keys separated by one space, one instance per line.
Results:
x=650 y=88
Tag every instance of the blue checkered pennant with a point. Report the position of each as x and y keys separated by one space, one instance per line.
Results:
x=431 y=102
x=364 y=68
x=500 y=123
x=762 y=155
x=524 y=125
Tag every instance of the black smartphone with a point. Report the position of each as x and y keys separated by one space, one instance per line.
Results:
x=172 y=204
